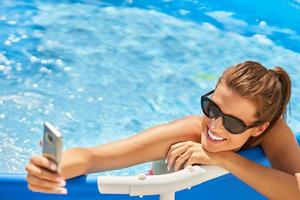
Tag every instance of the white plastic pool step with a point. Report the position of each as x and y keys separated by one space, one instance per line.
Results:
x=164 y=185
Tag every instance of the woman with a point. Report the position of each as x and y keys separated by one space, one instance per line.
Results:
x=246 y=109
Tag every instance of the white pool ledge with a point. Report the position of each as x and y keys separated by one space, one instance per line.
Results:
x=164 y=185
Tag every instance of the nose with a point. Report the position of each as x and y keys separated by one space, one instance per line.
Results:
x=216 y=124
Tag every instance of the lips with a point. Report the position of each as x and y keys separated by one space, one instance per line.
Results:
x=213 y=137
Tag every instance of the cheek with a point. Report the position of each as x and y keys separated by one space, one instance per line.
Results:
x=240 y=139
x=205 y=123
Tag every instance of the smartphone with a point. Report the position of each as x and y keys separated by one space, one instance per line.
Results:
x=52 y=143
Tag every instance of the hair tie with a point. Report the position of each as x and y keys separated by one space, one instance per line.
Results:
x=273 y=72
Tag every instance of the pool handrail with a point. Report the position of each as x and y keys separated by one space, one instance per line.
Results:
x=163 y=185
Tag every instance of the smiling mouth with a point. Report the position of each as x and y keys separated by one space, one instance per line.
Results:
x=213 y=137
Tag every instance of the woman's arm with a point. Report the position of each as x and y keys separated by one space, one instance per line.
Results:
x=272 y=183
x=151 y=144
x=279 y=182
x=281 y=148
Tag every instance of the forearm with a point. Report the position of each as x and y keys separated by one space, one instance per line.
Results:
x=115 y=155
x=272 y=183
x=150 y=144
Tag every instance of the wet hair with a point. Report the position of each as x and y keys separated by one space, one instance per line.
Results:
x=269 y=89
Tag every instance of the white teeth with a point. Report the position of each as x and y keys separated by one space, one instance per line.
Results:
x=214 y=137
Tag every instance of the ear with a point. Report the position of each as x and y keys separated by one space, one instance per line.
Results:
x=260 y=129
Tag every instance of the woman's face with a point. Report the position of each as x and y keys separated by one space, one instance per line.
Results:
x=214 y=136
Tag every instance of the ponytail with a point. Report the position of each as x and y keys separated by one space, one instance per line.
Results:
x=285 y=82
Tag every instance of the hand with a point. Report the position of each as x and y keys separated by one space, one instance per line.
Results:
x=183 y=154
x=43 y=176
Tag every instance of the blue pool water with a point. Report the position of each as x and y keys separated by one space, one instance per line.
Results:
x=105 y=70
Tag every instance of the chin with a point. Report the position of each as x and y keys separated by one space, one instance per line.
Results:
x=212 y=149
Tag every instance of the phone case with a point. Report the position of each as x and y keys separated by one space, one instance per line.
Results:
x=52 y=143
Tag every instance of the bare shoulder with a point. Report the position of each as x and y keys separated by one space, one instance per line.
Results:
x=194 y=119
x=190 y=124
x=281 y=148
x=280 y=135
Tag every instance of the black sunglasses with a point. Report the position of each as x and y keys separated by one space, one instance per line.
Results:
x=232 y=124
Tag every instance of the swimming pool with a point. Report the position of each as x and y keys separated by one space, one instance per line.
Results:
x=100 y=72
x=104 y=70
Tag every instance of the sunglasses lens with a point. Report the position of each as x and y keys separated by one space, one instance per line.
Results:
x=233 y=125
x=209 y=109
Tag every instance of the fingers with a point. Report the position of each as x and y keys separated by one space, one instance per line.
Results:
x=179 y=154
x=38 y=184
x=172 y=148
x=181 y=160
x=43 y=173
x=43 y=177
x=175 y=156
x=190 y=162
x=42 y=161
x=33 y=180
x=57 y=190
